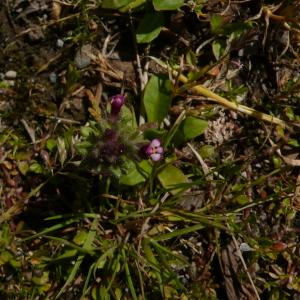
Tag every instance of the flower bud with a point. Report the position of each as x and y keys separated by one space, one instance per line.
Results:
x=116 y=102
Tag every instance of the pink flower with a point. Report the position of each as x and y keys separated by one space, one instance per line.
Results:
x=154 y=150
x=116 y=102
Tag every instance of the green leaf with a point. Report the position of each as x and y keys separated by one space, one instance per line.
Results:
x=5 y=257
x=149 y=27
x=242 y=199
x=103 y=258
x=80 y=237
x=5 y=235
x=170 y=177
x=115 y=4
x=66 y=255
x=51 y=144
x=41 y=280
x=193 y=127
x=132 y=5
x=86 y=131
x=167 y=4
x=23 y=167
x=86 y=246
x=216 y=24
x=137 y=174
x=128 y=117
x=83 y=148
x=207 y=151
x=218 y=48
x=157 y=98
x=35 y=167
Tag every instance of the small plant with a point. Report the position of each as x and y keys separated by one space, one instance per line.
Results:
x=184 y=185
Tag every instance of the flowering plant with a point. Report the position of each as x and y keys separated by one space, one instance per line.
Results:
x=114 y=147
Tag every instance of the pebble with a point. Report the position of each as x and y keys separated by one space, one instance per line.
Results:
x=11 y=74
x=53 y=77
x=59 y=43
x=244 y=247
x=82 y=57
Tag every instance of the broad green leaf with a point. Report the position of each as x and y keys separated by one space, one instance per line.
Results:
x=242 y=199
x=216 y=24
x=167 y=4
x=51 y=144
x=171 y=176
x=218 y=48
x=35 y=167
x=157 y=98
x=193 y=127
x=137 y=174
x=191 y=58
x=149 y=27
x=23 y=167
x=41 y=280
x=115 y=4
x=80 y=237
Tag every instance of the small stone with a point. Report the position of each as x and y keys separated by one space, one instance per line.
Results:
x=53 y=77
x=11 y=74
x=59 y=43
x=82 y=57
x=244 y=247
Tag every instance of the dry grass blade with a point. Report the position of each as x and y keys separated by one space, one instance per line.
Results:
x=245 y=266
x=201 y=90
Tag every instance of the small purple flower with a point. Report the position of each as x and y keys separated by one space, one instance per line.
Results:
x=116 y=102
x=154 y=150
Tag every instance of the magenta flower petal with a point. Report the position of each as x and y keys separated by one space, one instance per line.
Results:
x=155 y=156
x=160 y=150
x=149 y=150
x=154 y=150
x=155 y=143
